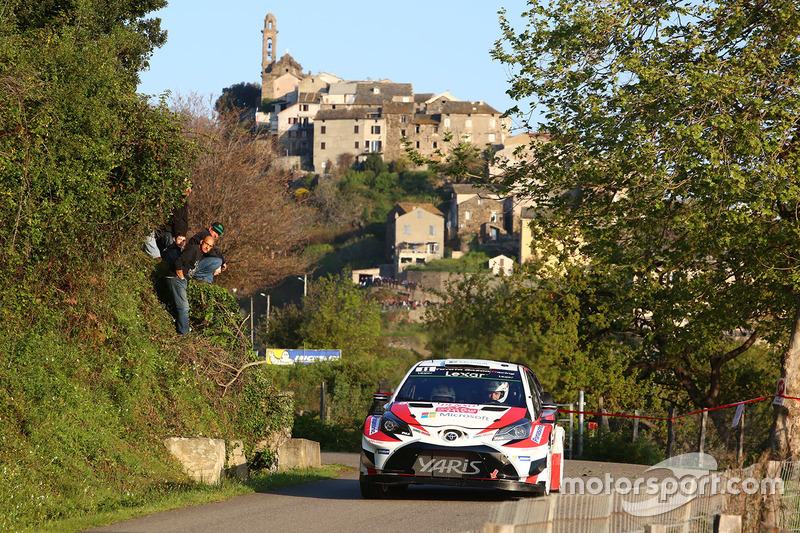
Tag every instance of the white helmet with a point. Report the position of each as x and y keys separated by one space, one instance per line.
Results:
x=443 y=393
x=499 y=386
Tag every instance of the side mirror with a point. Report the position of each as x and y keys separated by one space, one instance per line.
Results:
x=379 y=399
x=547 y=401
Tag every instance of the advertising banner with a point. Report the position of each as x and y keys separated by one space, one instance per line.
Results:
x=279 y=356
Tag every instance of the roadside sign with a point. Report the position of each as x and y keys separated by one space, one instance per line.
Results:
x=779 y=392
x=279 y=356
x=738 y=415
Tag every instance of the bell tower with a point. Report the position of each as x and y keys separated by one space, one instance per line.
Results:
x=270 y=48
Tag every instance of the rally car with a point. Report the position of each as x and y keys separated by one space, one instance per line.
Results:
x=463 y=422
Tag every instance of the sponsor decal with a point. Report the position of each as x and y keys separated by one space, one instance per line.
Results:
x=460 y=467
x=383 y=451
x=537 y=434
x=524 y=458
x=456 y=409
x=463 y=374
x=374 y=425
x=428 y=414
x=494 y=474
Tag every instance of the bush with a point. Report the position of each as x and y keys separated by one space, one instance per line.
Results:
x=331 y=437
x=617 y=447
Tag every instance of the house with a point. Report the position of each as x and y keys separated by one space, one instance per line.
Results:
x=501 y=264
x=474 y=211
x=414 y=234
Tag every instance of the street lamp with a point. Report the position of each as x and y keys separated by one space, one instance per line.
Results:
x=304 y=279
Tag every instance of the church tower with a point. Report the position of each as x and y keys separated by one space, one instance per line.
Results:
x=269 y=49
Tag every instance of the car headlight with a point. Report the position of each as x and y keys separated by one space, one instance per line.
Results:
x=516 y=431
x=391 y=425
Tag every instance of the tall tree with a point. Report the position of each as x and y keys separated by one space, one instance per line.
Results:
x=236 y=183
x=673 y=169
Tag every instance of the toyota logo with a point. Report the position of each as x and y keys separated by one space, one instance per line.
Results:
x=450 y=436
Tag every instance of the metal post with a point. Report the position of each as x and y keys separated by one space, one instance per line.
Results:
x=602 y=409
x=581 y=405
x=740 y=452
x=702 y=440
x=252 y=334
x=267 y=312
x=322 y=403
x=635 y=425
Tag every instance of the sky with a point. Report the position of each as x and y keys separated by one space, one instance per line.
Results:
x=436 y=45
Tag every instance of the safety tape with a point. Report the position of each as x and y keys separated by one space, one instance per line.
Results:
x=620 y=415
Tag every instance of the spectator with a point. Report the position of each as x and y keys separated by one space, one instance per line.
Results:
x=184 y=268
x=173 y=231
x=213 y=263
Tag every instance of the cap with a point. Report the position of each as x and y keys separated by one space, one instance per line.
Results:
x=217 y=226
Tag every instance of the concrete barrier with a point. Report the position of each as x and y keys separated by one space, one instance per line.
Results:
x=299 y=453
x=203 y=458
x=237 y=463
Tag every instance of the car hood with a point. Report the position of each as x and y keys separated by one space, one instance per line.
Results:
x=472 y=416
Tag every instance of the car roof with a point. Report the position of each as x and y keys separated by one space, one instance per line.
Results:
x=482 y=363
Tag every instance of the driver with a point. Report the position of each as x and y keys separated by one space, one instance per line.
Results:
x=497 y=391
x=443 y=393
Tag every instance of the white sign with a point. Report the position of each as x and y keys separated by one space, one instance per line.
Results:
x=779 y=392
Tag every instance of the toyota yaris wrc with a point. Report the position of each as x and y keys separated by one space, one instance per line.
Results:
x=463 y=422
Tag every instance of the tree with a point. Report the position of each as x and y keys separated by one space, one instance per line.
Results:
x=87 y=166
x=673 y=169
x=236 y=184
x=242 y=98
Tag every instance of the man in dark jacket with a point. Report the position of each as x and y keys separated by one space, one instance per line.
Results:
x=213 y=263
x=184 y=268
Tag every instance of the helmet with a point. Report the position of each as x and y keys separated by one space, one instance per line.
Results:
x=443 y=393
x=499 y=386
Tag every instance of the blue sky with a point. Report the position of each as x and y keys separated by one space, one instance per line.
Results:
x=437 y=45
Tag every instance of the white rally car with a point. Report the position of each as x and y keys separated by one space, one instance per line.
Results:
x=463 y=422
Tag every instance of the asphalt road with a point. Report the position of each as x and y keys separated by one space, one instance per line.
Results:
x=336 y=506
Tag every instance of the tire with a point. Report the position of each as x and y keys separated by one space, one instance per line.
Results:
x=373 y=491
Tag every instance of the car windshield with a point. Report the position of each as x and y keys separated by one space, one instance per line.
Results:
x=463 y=385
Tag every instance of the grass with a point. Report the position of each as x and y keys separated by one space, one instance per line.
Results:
x=198 y=495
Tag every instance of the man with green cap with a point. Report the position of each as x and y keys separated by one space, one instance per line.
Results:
x=213 y=262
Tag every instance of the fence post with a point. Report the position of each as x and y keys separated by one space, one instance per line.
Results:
x=581 y=406
x=702 y=440
x=635 y=425
x=671 y=432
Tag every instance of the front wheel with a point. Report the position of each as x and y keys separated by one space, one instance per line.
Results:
x=373 y=491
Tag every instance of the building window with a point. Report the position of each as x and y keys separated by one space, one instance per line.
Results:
x=435 y=145
x=436 y=129
x=480 y=201
x=321 y=146
x=303 y=134
x=356 y=145
x=416 y=128
x=467 y=215
x=492 y=123
x=303 y=107
x=322 y=129
x=407 y=229
x=355 y=128
x=447 y=122
x=402 y=133
x=493 y=218
x=432 y=229
x=375 y=130
x=419 y=213
x=375 y=146
x=402 y=119
x=468 y=123
x=491 y=137
x=433 y=248
x=417 y=144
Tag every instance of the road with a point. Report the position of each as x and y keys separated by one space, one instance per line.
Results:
x=336 y=506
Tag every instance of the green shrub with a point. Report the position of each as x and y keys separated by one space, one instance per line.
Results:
x=617 y=447
x=332 y=437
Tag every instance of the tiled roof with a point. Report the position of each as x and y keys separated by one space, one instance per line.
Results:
x=407 y=207
x=346 y=113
